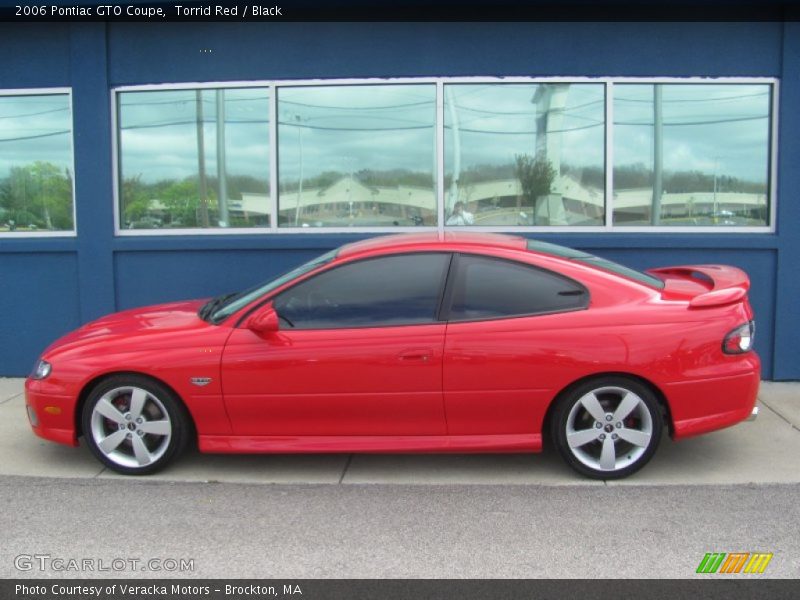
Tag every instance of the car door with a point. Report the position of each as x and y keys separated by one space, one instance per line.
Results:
x=509 y=340
x=358 y=353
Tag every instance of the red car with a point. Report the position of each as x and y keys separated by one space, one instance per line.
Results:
x=457 y=342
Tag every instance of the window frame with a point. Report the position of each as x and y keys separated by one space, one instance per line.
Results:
x=441 y=292
x=447 y=301
x=439 y=166
x=50 y=91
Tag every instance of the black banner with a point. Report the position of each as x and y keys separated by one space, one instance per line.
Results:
x=396 y=589
x=399 y=10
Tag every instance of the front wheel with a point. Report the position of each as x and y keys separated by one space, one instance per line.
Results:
x=607 y=428
x=134 y=425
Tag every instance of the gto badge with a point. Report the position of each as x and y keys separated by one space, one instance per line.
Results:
x=201 y=381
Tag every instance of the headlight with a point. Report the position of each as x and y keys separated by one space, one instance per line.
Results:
x=41 y=369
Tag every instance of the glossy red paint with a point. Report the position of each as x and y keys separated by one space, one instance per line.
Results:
x=167 y=342
x=337 y=382
x=398 y=444
x=476 y=386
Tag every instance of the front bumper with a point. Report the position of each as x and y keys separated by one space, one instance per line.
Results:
x=51 y=415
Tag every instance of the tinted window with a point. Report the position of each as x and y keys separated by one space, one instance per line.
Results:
x=488 y=287
x=594 y=261
x=392 y=290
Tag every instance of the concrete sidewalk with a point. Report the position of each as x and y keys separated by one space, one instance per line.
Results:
x=764 y=451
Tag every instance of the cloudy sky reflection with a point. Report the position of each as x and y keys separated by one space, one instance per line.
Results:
x=35 y=128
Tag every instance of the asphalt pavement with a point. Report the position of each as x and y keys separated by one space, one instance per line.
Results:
x=395 y=531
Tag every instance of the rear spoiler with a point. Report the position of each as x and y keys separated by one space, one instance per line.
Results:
x=725 y=284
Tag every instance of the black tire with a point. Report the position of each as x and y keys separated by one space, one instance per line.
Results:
x=586 y=441
x=131 y=443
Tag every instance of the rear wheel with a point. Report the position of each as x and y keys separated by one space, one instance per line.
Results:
x=608 y=428
x=134 y=425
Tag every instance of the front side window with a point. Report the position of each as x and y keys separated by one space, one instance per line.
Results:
x=386 y=291
x=194 y=159
x=357 y=156
x=691 y=154
x=524 y=154
x=36 y=163
x=490 y=288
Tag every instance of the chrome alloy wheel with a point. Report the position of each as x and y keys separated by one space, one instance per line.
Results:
x=609 y=429
x=131 y=427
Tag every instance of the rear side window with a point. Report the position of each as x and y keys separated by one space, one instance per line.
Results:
x=379 y=292
x=486 y=288
x=594 y=261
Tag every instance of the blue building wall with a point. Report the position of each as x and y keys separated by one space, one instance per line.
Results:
x=48 y=286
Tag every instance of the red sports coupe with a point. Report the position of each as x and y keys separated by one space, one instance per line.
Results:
x=455 y=342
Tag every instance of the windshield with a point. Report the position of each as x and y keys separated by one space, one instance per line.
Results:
x=594 y=261
x=239 y=300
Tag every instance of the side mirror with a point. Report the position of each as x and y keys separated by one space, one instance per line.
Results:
x=264 y=322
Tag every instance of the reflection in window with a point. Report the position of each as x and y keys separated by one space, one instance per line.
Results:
x=194 y=158
x=36 y=163
x=354 y=156
x=691 y=154
x=488 y=288
x=387 y=291
x=524 y=154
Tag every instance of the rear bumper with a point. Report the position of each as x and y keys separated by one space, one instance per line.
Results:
x=701 y=406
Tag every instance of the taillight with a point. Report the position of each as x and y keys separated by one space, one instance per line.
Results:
x=740 y=340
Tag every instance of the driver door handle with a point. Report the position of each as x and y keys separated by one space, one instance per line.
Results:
x=416 y=355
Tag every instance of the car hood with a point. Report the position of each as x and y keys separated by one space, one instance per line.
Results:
x=157 y=320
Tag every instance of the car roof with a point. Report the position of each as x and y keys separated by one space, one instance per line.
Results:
x=459 y=240
x=448 y=238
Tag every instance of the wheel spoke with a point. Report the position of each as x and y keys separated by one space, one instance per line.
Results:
x=608 y=457
x=593 y=406
x=156 y=427
x=582 y=437
x=109 y=411
x=141 y=452
x=110 y=443
x=635 y=437
x=628 y=403
x=138 y=397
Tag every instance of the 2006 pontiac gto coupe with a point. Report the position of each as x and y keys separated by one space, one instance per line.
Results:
x=454 y=342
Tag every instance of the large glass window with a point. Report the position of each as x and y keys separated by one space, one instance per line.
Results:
x=396 y=155
x=488 y=288
x=524 y=154
x=194 y=158
x=357 y=156
x=36 y=163
x=691 y=154
x=380 y=292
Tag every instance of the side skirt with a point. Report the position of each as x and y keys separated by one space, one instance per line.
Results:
x=267 y=444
